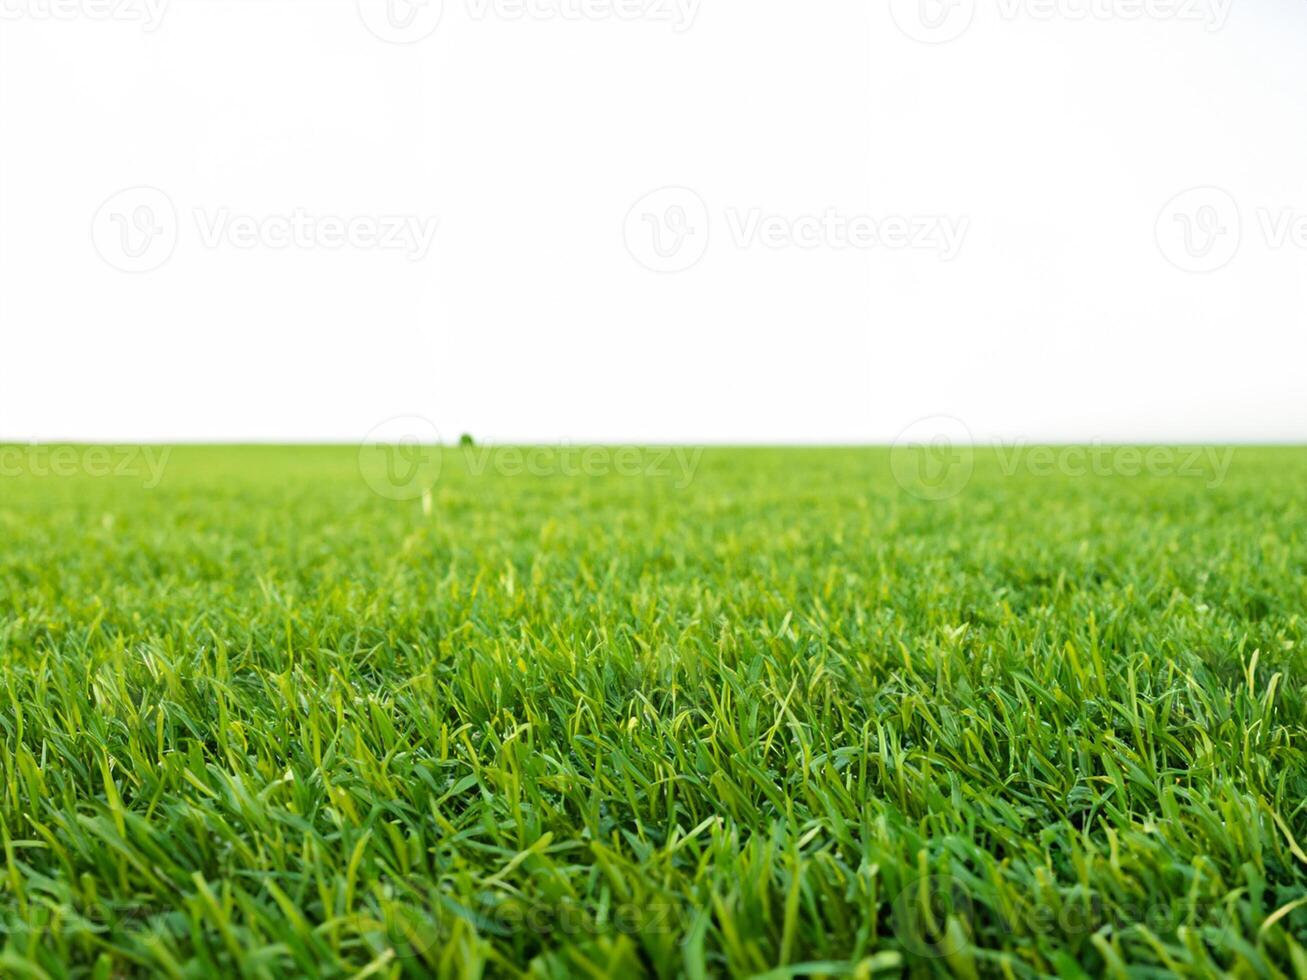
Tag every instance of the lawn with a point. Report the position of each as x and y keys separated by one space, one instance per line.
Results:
x=273 y=712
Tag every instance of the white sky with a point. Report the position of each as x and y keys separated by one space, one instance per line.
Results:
x=1050 y=142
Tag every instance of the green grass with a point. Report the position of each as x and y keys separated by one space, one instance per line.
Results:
x=781 y=718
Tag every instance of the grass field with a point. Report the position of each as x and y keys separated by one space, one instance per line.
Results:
x=723 y=714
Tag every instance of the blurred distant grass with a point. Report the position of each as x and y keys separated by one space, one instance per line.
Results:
x=782 y=717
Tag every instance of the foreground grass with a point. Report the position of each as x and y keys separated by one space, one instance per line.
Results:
x=260 y=720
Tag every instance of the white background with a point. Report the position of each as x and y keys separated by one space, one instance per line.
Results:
x=1058 y=132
